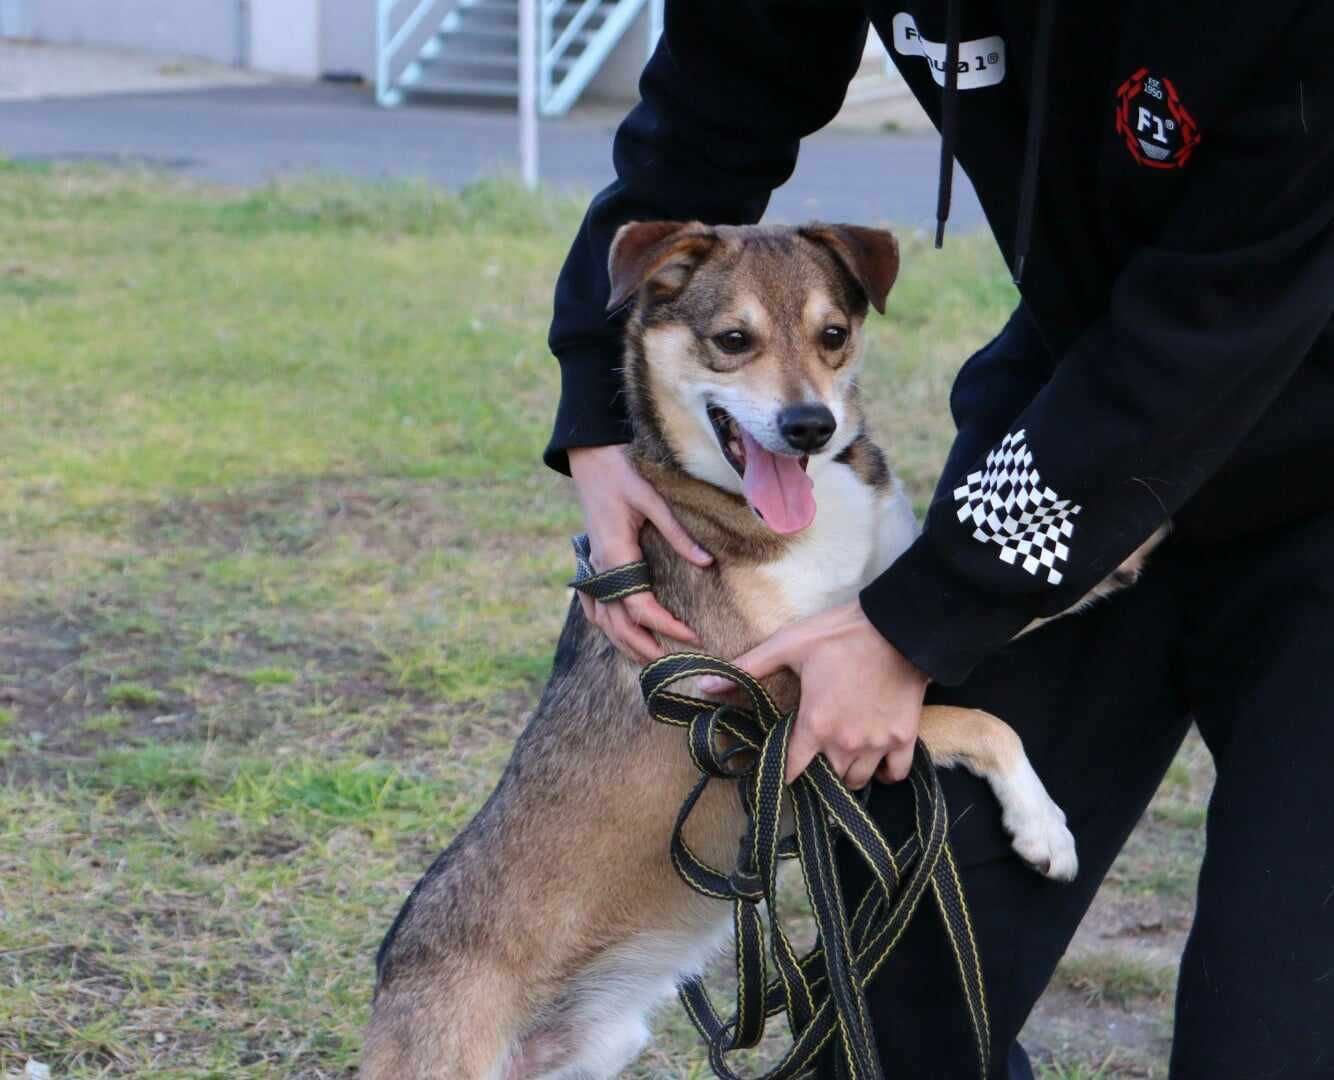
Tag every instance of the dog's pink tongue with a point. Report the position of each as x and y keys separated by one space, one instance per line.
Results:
x=777 y=486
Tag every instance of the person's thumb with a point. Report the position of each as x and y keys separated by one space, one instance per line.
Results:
x=767 y=658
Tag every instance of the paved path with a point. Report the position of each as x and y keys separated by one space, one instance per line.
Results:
x=250 y=135
x=35 y=69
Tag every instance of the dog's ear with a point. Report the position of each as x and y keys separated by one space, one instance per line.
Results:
x=660 y=253
x=871 y=256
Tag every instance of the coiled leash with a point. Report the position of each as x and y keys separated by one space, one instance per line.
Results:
x=823 y=992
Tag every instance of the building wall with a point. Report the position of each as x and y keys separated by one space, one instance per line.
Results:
x=285 y=37
x=347 y=37
x=618 y=78
x=14 y=19
x=213 y=29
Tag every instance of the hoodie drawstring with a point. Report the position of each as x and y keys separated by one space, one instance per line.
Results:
x=1037 y=117
x=949 y=120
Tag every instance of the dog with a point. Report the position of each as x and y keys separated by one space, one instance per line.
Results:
x=538 y=943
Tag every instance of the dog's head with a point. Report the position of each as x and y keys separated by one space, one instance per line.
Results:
x=743 y=349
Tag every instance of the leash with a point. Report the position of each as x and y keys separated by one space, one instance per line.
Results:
x=823 y=992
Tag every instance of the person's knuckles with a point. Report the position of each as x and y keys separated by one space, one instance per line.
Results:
x=821 y=726
x=852 y=740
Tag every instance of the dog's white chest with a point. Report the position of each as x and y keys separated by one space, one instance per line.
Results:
x=856 y=533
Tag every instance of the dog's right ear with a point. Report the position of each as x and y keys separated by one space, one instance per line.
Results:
x=661 y=254
x=871 y=256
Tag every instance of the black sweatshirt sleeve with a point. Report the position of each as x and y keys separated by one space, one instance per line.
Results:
x=1201 y=332
x=729 y=92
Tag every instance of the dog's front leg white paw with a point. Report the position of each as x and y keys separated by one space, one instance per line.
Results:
x=1036 y=824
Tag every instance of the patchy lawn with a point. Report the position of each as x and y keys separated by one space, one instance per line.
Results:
x=280 y=576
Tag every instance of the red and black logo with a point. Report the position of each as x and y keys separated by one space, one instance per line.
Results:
x=1158 y=130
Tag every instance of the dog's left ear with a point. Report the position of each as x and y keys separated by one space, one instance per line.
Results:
x=661 y=253
x=871 y=256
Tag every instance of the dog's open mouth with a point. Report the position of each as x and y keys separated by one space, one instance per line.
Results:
x=776 y=485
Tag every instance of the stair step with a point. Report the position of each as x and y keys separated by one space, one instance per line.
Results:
x=454 y=59
x=482 y=32
x=495 y=88
x=494 y=18
x=452 y=64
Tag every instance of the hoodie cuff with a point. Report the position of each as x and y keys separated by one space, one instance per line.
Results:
x=592 y=406
x=938 y=620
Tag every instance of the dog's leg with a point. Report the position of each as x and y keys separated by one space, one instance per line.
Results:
x=989 y=748
x=613 y=998
x=449 y=1029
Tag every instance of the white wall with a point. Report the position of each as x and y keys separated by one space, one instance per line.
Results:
x=285 y=37
x=213 y=29
x=292 y=37
x=618 y=78
x=347 y=37
x=14 y=20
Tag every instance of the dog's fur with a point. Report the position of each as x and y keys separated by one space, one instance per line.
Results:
x=537 y=944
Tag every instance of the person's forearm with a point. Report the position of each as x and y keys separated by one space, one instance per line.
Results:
x=1201 y=334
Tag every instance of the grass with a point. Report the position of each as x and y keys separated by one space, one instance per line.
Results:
x=1112 y=976
x=281 y=576
x=132 y=695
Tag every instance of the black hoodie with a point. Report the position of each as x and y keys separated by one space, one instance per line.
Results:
x=1160 y=177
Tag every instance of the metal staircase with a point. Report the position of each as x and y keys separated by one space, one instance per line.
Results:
x=470 y=48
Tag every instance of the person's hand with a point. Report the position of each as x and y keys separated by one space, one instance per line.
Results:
x=861 y=699
x=617 y=501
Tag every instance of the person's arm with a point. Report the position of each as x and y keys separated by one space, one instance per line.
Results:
x=728 y=94
x=1201 y=333
x=731 y=89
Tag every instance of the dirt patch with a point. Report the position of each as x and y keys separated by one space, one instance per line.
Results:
x=388 y=518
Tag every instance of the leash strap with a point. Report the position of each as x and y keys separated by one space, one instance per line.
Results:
x=823 y=992
x=614 y=584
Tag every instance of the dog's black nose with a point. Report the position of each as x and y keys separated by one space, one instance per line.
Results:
x=807 y=426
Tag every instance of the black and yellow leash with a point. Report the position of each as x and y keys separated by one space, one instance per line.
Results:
x=823 y=992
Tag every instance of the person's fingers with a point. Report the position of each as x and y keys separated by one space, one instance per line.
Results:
x=860 y=770
x=802 y=746
x=645 y=610
x=586 y=603
x=634 y=639
x=655 y=508
x=765 y=659
x=602 y=619
x=609 y=552
x=895 y=766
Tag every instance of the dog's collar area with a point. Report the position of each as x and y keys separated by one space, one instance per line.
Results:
x=614 y=584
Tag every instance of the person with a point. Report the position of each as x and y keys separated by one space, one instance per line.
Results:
x=1160 y=179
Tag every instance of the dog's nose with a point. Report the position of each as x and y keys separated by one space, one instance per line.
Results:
x=807 y=426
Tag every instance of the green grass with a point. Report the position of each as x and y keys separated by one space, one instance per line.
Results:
x=282 y=575
x=132 y=695
x=1110 y=976
x=271 y=676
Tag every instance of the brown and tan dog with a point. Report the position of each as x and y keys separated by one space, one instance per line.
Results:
x=538 y=943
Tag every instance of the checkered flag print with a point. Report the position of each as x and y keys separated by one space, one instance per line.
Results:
x=1011 y=507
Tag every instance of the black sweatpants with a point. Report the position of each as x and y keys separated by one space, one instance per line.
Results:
x=1241 y=638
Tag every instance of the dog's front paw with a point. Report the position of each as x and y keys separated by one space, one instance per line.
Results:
x=1037 y=826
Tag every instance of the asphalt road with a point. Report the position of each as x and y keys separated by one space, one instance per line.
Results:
x=250 y=135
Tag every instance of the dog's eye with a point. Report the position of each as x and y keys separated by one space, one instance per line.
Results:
x=834 y=337
x=733 y=341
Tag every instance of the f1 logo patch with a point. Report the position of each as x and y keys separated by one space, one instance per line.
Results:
x=1158 y=129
